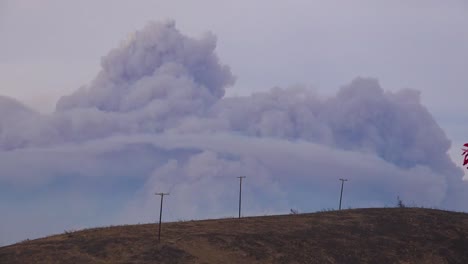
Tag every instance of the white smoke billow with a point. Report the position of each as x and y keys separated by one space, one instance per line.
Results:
x=155 y=119
x=156 y=64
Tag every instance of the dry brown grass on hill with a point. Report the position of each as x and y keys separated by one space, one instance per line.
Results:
x=390 y=235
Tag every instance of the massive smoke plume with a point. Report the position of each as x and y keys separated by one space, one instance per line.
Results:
x=155 y=119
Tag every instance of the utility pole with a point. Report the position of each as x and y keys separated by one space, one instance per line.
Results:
x=341 y=195
x=160 y=213
x=240 y=194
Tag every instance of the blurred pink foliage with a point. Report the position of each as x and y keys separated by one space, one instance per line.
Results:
x=465 y=153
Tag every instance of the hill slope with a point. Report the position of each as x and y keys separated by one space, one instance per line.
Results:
x=389 y=235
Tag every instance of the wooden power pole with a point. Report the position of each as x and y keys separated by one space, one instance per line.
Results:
x=160 y=213
x=341 y=194
x=240 y=194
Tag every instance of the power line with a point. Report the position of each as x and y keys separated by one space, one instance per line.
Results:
x=341 y=194
x=240 y=194
x=160 y=213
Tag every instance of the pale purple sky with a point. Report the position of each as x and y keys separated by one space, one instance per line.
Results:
x=50 y=48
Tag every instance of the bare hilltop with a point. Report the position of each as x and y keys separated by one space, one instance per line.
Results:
x=377 y=235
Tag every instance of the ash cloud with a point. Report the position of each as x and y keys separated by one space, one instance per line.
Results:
x=159 y=70
x=155 y=119
x=361 y=117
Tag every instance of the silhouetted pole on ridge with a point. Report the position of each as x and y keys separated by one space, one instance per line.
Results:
x=341 y=194
x=240 y=194
x=160 y=213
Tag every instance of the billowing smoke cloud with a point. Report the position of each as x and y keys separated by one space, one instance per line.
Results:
x=155 y=119
x=153 y=80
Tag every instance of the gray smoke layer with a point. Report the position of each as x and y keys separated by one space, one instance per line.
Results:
x=155 y=119
x=157 y=68
x=361 y=117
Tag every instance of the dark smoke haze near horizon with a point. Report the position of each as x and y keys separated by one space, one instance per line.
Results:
x=155 y=118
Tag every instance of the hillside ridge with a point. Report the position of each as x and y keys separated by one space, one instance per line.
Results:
x=375 y=235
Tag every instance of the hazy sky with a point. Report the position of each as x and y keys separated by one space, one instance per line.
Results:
x=51 y=48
